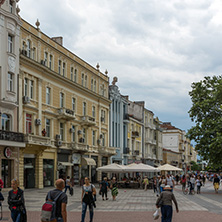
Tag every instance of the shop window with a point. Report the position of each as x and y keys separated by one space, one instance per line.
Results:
x=6 y=122
x=28 y=123
x=48 y=172
x=29 y=172
x=6 y=172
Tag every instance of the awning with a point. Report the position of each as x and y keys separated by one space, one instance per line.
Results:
x=65 y=163
x=88 y=161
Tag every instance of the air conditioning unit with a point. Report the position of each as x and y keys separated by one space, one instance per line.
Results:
x=42 y=62
x=59 y=143
x=71 y=130
x=24 y=52
x=26 y=99
x=58 y=137
x=38 y=122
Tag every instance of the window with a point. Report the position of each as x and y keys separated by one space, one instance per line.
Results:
x=61 y=100
x=95 y=86
x=48 y=94
x=94 y=111
x=28 y=48
x=103 y=139
x=73 y=134
x=10 y=43
x=10 y=82
x=6 y=122
x=28 y=123
x=73 y=104
x=103 y=116
x=84 y=108
x=93 y=137
x=61 y=130
x=11 y=6
x=33 y=53
x=86 y=81
x=50 y=61
x=63 y=69
x=47 y=126
x=92 y=84
x=59 y=68
x=25 y=87
x=82 y=79
x=46 y=58
x=75 y=75
x=84 y=135
x=31 y=89
x=71 y=75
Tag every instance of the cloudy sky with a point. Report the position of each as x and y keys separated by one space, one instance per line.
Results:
x=156 y=48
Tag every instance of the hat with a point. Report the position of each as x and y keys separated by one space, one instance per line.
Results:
x=167 y=187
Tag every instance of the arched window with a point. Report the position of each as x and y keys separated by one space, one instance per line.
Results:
x=6 y=122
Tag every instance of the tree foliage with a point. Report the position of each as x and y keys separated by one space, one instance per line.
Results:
x=206 y=113
x=195 y=166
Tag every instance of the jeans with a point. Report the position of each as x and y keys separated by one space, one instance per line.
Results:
x=167 y=213
x=84 y=208
x=15 y=215
x=161 y=189
x=104 y=192
x=67 y=187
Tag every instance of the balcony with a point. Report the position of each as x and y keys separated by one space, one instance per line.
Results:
x=126 y=150
x=37 y=140
x=88 y=121
x=136 y=153
x=80 y=147
x=11 y=136
x=110 y=151
x=151 y=126
x=150 y=141
x=66 y=114
x=135 y=134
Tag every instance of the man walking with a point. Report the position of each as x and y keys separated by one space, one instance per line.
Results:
x=104 y=186
x=170 y=181
x=61 y=213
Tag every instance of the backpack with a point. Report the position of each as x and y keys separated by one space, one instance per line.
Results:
x=48 y=212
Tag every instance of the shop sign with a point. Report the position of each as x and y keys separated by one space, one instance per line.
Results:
x=76 y=158
x=7 y=152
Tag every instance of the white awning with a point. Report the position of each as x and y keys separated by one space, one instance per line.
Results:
x=65 y=163
x=88 y=161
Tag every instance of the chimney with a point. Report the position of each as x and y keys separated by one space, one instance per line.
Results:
x=59 y=40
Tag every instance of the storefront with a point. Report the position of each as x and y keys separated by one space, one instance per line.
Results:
x=76 y=160
x=64 y=163
x=29 y=171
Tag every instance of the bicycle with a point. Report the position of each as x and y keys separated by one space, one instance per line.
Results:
x=186 y=190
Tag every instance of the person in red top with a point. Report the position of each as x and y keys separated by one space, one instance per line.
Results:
x=1 y=184
x=16 y=202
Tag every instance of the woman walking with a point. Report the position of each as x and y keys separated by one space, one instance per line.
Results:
x=165 y=202
x=16 y=202
x=114 y=188
x=216 y=183
x=162 y=183
x=183 y=182
x=88 y=193
x=199 y=184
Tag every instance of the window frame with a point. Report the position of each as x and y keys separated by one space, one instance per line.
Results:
x=10 y=86
x=48 y=126
x=61 y=99
x=10 y=43
x=48 y=96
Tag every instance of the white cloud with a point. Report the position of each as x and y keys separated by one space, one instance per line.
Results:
x=156 y=48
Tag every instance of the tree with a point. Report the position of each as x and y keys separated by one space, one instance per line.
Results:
x=206 y=112
x=195 y=166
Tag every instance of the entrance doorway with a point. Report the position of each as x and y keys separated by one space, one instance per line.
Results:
x=29 y=172
x=6 y=172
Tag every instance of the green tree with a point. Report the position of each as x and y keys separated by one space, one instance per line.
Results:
x=195 y=166
x=206 y=113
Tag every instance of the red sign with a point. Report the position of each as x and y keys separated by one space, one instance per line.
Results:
x=7 y=152
x=2 y=2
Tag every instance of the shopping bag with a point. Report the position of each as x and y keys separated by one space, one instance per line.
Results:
x=156 y=214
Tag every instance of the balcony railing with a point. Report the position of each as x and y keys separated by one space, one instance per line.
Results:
x=38 y=140
x=11 y=136
x=66 y=114
x=79 y=147
x=88 y=121
x=111 y=151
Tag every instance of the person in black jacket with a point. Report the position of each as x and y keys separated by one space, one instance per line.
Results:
x=16 y=202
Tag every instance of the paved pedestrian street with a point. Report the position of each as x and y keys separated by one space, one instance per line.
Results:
x=131 y=205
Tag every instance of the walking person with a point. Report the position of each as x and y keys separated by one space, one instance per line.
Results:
x=114 y=188
x=1 y=184
x=199 y=184
x=104 y=187
x=192 y=183
x=68 y=184
x=154 y=184
x=16 y=202
x=170 y=181
x=162 y=183
x=165 y=202
x=145 y=182
x=183 y=182
x=216 y=183
x=88 y=193
x=61 y=200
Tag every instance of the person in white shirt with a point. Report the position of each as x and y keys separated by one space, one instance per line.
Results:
x=199 y=184
x=192 y=183
x=170 y=181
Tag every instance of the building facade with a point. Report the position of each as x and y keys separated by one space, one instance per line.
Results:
x=118 y=123
x=11 y=141
x=63 y=112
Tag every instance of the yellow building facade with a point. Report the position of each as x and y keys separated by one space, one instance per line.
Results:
x=63 y=112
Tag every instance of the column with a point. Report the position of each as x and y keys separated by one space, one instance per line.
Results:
x=21 y=168
x=39 y=170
